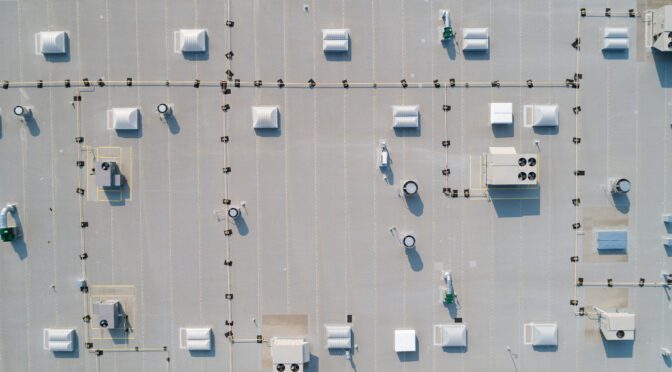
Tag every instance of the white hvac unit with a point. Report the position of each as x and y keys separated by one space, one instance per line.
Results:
x=405 y=116
x=191 y=41
x=123 y=118
x=265 y=117
x=404 y=340
x=196 y=339
x=475 y=39
x=289 y=354
x=615 y=38
x=540 y=334
x=505 y=167
x=59 y=340
x=338 y=336
x=51 y=42
x=450 y=335
x=658 y=28
x=616 y=326
x=540 y=115
x=501 y=113
x=336 y=40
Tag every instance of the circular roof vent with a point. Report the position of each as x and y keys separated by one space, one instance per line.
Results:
x=233 y=212
x=103 y=323
x=408 y=241
x=410 y=188
x=622 y=186
x=162 y=108
x=19 y=110
x=105 y=166
x=620 y=334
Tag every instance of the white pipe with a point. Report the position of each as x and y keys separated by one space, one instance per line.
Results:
x=449 y=282
x=625 y=284
x=445 y=14
x=9 y=208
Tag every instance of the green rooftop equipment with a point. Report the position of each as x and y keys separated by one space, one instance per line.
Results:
x=449 y=296
x=448 y=32
x=7 y=233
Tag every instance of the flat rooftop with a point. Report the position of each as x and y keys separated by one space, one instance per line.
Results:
x=318 y=240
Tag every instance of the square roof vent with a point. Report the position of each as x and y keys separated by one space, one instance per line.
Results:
x=450 y=335
x=335 y=40
x=339 y=336
x=615 y=38
x=265 y=117
x=540 y=115
x=667 y=240
x=475 y=39
x=196 y=339
x=51 y=42
x=541 y=334
x=59 y=340
x=405 y=116
x=125 y=118
x=667 y=218
x=191 y=41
